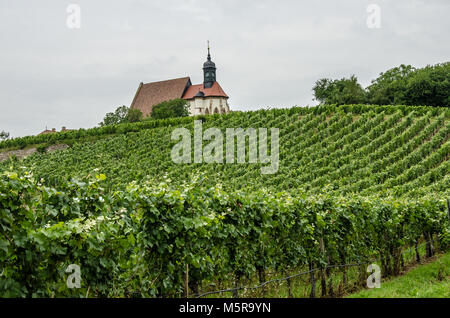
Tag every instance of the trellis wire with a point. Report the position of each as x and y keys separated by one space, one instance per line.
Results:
x=303 y=273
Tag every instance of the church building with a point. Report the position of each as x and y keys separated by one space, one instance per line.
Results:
x=203 y=99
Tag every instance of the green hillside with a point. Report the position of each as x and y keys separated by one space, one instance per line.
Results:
x=348 y=149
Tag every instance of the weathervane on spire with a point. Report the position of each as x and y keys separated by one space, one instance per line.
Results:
x=209 y=55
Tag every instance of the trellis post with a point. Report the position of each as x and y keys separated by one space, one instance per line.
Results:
x=186 y=281
x=448 y=209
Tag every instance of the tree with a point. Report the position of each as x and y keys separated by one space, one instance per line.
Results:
x=390 y=87
x=322 y=90
x=402 y=85
x=134 y=115
x=429 y=86
x=122 y=114
x=4 y=135
x=340 y=92
x=172 y=108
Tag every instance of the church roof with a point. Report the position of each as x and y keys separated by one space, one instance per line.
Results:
x=200 y=94
x=151 y=94
x=215 y=90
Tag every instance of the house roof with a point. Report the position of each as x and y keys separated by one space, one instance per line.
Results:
x=151 y=94
x=47 y=131
x=53 y=130
x=215 y=90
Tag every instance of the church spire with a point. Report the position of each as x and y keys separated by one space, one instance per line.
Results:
x=209 y=71
x=209 y=55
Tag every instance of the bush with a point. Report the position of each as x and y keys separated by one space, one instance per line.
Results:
x=42 y=148
x=170 y=109
x=122 y=114
x=4 y=135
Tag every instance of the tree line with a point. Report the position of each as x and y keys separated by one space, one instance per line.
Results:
x=167 y=109
x=402 y=85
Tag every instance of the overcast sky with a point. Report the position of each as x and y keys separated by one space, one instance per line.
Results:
x=269 y=53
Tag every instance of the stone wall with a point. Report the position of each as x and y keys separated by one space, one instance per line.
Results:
x=22 y=153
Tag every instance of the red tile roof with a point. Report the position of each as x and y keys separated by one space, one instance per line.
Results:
x=48 y=131
x=151 y=94
x=215 y=91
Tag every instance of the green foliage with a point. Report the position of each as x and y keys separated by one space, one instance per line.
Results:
x=87 y=134
x=367 y=180
x=133 y=115
x=139 y=241
x=339 y=92
x=429 y=86
x=402 y=85
x=389 y=87
x=4 y=135
x=406 y=85
x=44 y=230
x=42 y=148
x=430 y=280
x=117 y=117
x=352 y=149
x=122 y=114
x=170 y=109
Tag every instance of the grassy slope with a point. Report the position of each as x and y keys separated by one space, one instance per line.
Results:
x=421 y=281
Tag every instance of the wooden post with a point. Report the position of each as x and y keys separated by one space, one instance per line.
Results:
x=448 y=209
x=330 y=279
x=344 y=272
x=289 y=288
x=322 y=271
x=236 y=285
x=186 y=282
x=262 y=279
x=428 y=237
x=416 y=245
x=313 y=280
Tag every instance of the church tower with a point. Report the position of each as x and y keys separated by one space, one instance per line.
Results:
x=203 y=99
x=209 y=72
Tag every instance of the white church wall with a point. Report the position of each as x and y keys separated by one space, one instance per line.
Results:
x=208 y=105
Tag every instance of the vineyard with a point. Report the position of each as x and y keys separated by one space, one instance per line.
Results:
x=354 y=183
